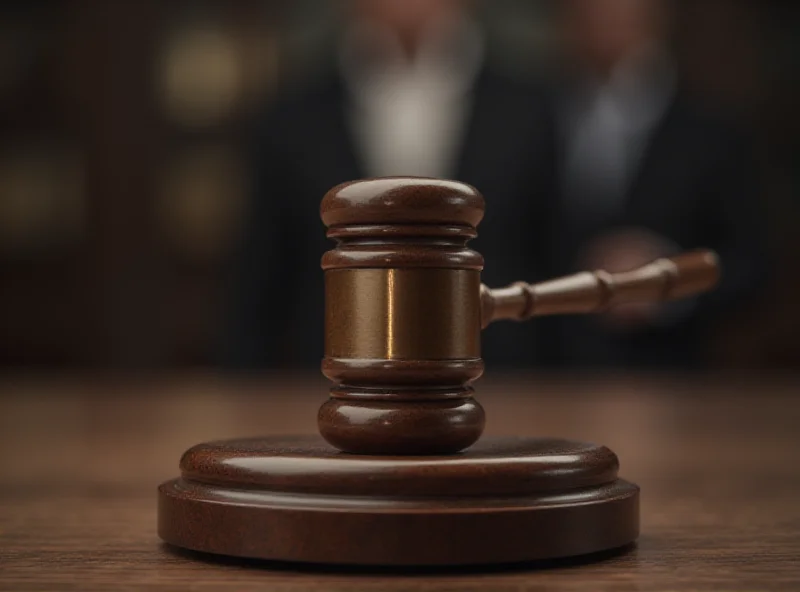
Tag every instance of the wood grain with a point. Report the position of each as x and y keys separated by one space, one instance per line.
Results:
x=296 y=498
x=716 y=460
x=402 y=316
x=687 y=274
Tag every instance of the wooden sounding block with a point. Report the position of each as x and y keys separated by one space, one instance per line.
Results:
x=399 y=476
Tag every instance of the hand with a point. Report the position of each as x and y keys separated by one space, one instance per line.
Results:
x=625 y=250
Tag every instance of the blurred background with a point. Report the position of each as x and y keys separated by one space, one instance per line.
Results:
x=127 y=166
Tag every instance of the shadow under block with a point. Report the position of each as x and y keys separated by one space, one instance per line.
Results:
x=298 y=499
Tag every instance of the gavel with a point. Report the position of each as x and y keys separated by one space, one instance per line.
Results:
x=408 y=482
x=404 y=309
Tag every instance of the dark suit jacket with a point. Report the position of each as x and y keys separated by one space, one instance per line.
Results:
x=697 y=186
x=302 y=148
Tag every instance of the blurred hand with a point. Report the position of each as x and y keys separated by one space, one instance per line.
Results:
x=625 y=250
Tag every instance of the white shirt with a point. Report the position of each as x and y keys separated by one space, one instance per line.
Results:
x=607 y=127
x=407 y=116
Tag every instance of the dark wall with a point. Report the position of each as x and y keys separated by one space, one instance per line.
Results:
x=122 y=176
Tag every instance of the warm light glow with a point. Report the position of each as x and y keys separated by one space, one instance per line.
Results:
x=390 y=313
x=201 y=76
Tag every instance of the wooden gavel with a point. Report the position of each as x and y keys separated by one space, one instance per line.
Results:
x=405 y=308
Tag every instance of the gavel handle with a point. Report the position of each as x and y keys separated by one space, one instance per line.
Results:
x=664 y=279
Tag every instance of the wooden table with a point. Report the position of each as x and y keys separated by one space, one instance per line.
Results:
x=717 y=462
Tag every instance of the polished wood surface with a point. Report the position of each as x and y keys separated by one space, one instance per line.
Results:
x=716 y=460
x=404 y=308
x=296 y=498
x=664 y=279
x=402 y=316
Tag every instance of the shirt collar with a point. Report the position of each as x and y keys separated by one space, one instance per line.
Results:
x=641 y=87
x=644 y=83
x=370 y=57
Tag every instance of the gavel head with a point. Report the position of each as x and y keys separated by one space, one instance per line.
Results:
x=402 y=316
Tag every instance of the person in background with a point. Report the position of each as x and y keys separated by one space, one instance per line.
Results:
x=643 y=172
x=411 y=89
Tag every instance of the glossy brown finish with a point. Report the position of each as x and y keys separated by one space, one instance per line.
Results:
x=434 y=253
x=664 y=279
x=422 y=422
x=504 y=500
x=402 y=200
x=401 y=314
x=429 y=410
x=404 y=308
x=496 y=467
x=403 y=373
x=716 y=459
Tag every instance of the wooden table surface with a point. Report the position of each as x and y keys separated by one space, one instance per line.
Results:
x=717 y=462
